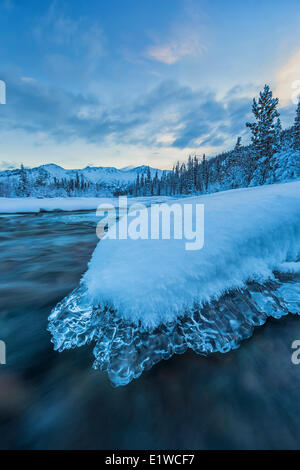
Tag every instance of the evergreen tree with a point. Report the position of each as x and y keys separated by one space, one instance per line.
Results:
x=190 y=176
x=205 y=173
x=82 y=183
x=41 y=179
x=23 y=187
x=155 y=184
x=195 y=171
x=137 y=185
x=148 y=183
x=183 y=185
x=142 y=186
x=76 y=183
x=238 y=146
x=265 y=131
x=177 y=178
x=296 y=129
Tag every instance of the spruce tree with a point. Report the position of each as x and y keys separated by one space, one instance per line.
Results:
x=23 y=189
x=205 y=172
x=190 y=176
x=137 y=185
x=238 y=145
x=148 y=183
x=265 y=131
x=296 y=129
x=41 y=178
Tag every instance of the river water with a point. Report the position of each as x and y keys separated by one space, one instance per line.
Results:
x=245 y=399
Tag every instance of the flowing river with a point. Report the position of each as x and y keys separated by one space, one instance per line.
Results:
x=247 y=398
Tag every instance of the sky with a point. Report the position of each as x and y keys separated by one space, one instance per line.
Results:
x=139 y=82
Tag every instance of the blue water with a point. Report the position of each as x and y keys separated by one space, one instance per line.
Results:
x=246 y=398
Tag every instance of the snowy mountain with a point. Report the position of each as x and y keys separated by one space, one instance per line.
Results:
x=109 y=175
x=53 y=180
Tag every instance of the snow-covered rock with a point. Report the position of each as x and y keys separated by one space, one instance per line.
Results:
x=247 y=234
x=144 y=300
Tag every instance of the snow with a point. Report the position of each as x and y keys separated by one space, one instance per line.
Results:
x=19 y=205
x=286 y=165
x=27 y=205
x=289 y=267
x=249 y=233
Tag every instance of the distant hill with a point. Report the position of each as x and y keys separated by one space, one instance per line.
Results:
x=52 y=180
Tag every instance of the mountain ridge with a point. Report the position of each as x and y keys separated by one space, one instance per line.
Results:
x=101 y=180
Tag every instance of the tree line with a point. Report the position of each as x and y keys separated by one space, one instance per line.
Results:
x=24 y=184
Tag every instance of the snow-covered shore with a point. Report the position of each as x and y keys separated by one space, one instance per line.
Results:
x=35 y=205
x=248 y=234
x=27 y=205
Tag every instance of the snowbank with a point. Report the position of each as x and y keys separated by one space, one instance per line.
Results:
x=27 y=205
x=249 y=233
x=24 y=205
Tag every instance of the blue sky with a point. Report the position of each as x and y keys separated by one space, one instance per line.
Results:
x=130 y=82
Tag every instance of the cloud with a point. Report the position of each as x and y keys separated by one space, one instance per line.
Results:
x=165 y=54
x=171 y=53
x=288 y=81
x=184 y=38
x=170 y=115
x=166 y=139
x=175 y=49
